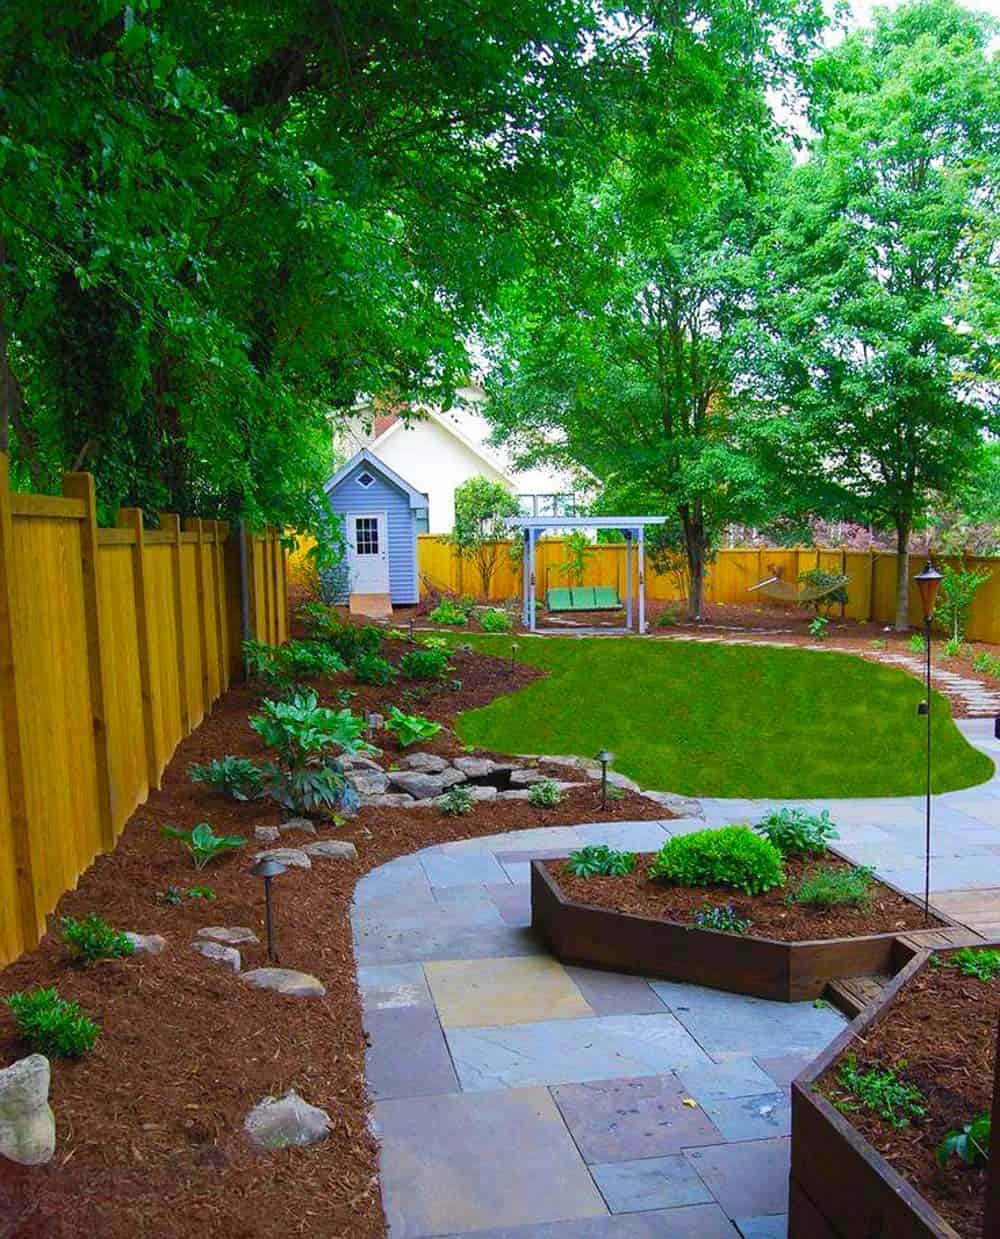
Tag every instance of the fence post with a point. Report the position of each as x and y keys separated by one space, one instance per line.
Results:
x=194 y=524
x=81 y=486
x=149 y=670
x=219 y=590
x=248 y=567
x=29 y=923
x=170 y=523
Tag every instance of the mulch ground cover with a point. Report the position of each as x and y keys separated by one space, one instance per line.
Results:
x=941 y=1036
x=772 y=916
x=149 y=1123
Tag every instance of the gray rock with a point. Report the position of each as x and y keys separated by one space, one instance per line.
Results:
x=425 y=786
x=475 y=767
x=286 y=981
x=356 y=761
x=426 y=763
x=279 y=1122
x=266 y=834
x=297 y=823
x=337 y=849
x=27 y=1124
x=615 y=780
x=228 y=956
x=229 y=935
x=680 y=806
x=147 y=944
x=392 y=800
x=574 y=763
x=368 y=782
x=483 y=793
x=518 y=793
x=523 y=777
x=294 y=858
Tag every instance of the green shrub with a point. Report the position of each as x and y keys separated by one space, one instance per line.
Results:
x=50 y=1025
x=731 y=856
x=446 y=612
x=203 y=843
x=818 y=627
x=546 y=794
x=396 y=634
x=830 y=887
x=723 y=917
x=978 y=962
x=457 y=801
x=917 y=644
x=597 y=860
x=409 y=728
x=348 y=640
x=374 y=669
x=424 y=664
x=971 y=1143
x=795 y=832
x=955 y=647
x=236 y=777
x=93 y=938
x=495 y=620
x=959 y=587
x=880 y=1090
x=983 y=663
x=311 y=658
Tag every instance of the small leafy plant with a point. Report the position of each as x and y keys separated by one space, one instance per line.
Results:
x=348 y=640
x=93 y=938
x=724 y=917
x=396 y=634
x=447 y=612
x=731 y=856
x=917 y=644
x=881 y=1090
x=818 y=626
x=983 y=663
x=495 y=620
x=971 y=1143
x=457 y=801
x=829 y=887
x=174 y=895
x=374 y=669
x=796 y=832
x=236 y=777
x=51 y=1025
x=981 y=963
x=203 y=843
x=311 y=658
x=546 y=794
x=424 y=664
x=954 y=647
x=880 y=643
x=409 y=728
x=597 y=860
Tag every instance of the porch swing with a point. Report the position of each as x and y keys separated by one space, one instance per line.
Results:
x=582 y=597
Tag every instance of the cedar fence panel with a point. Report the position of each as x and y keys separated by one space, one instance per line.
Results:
x=871 y=590
x=114 y=643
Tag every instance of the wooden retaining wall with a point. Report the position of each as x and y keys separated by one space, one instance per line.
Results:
x=114 y=643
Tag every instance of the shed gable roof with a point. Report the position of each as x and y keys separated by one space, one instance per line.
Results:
x=417 y=498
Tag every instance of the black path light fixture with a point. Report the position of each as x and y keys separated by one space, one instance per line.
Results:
x=513 y=655
x=268 y=868
x=605 y=758
x=928 y=582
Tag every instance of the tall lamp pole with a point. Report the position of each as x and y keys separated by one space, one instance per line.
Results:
x=928 y=582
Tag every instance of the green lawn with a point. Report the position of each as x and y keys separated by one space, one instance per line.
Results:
x=726 y=720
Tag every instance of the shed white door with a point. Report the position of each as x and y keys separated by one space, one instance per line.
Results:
x=368 y=552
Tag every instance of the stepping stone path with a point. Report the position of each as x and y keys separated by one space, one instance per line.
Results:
x=228 y=956
x=293 y=858
x=286 y=981
x=229 y=935
x=281 y=1122
x=146 y=944
x=27 y=1124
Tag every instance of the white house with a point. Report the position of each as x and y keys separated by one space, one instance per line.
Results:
x=438 y=449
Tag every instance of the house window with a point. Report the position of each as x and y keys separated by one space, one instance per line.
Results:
x=366 y=535
x=365 y=479
x=421 y=519
x=547 y=505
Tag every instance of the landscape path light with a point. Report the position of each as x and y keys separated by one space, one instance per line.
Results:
x=513 y=655
x=605 y=758
x=928 y=582
x=268 y=868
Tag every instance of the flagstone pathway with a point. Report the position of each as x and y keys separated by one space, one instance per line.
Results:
x=516 y=1098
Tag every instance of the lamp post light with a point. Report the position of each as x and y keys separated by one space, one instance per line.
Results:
x=513 y=655
x=605 y=758
x=268 y=869
x=928 y=582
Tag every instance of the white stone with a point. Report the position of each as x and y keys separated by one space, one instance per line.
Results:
x=336 y=849
x=286 y=981
x=228 y=956
x=146 y=944
x=280 y=1122
x=294 y=858
x=230 y=935
x=27 y=1124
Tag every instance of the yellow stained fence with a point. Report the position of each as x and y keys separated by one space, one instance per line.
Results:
x=114 y=643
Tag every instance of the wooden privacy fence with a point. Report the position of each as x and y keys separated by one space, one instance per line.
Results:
x=114 y=643
x=871 y=590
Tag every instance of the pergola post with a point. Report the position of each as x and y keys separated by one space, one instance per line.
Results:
x=525 y=540
x=532 y=597
x=628 y=579
x=642 y=579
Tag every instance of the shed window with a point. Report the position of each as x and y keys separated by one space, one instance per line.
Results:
x=365 y=479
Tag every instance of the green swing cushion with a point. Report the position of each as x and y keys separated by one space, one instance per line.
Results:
x=606 y=598
x=583 y=598
x=559 y=600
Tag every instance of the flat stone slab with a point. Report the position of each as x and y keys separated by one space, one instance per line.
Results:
x=278 y=1123
x=426 y=763
x=407 y=1055
x=455 y=1163
x=474 y=993
x=294 y=858
x=652 y=1183
x=614 y=993
x=298 y=823
x=462 y=941
x=735 y=1075
x=628 y=1119
x=784 y=1068
x=389 y=987
x=227 y=956
x=230 y=935
x=391 y=800
x=332 y=849
x=286 y=981
x=368 y=782
x=641 y=836
x=752 y=1118
x=686 y=1222
x=423 y=786
x=476 y=767
x=748 y=1179
x=457 y=869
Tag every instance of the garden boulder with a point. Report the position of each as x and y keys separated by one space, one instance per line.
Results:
x=286 y=981
x=426 y=763
x=368 y=782
x=292 y=858
x=229 y=935
x=27 y=1124
x=332 y=849
x=425 y=786
x=297 y=823
x=281 y=1122
x=228 y=956
x=147 y=944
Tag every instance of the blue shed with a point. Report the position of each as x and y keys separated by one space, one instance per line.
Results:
x=379 y=512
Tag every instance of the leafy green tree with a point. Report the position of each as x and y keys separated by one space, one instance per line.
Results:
x=483 y=513
x=875 y=356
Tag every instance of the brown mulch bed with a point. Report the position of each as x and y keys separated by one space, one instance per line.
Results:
x=943 y=1027
x=771 y=915
x=150 y=1122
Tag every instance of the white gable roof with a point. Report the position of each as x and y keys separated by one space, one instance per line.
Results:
x=417 y=498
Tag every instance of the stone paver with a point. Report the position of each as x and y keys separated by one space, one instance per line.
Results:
x=407 y=1055
x=473 y=993
x=652 y=1183
x=751 y=1118
x=614 y=993
x=687 y=1222
x=748 y=1179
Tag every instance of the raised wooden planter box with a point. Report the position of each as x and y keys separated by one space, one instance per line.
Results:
x=577 y=933
x=842 y=1188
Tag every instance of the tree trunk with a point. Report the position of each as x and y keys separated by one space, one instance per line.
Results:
x=694 y=546
x=903 y=524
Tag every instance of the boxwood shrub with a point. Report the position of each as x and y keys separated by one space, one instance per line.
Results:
x=732 y=856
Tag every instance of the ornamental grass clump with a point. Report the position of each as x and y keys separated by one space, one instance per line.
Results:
x=732 y=856
x=50 y=1025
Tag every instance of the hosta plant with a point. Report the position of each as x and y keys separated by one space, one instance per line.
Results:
x=374 y=669
x=50 y=1025
x=495 y=620
x=236 y=777
x=409 y=728
x=597 y=860
x=457 y=801
x=546 y=794
x=796 y=832
x=731 y=856
x=971 y=1143
x=446 y=612
x=93 y=938
x=203 y=843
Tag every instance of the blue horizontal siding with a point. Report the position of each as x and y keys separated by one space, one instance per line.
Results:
x=383 y=496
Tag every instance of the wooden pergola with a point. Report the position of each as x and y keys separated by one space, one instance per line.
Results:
x=633 y=529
